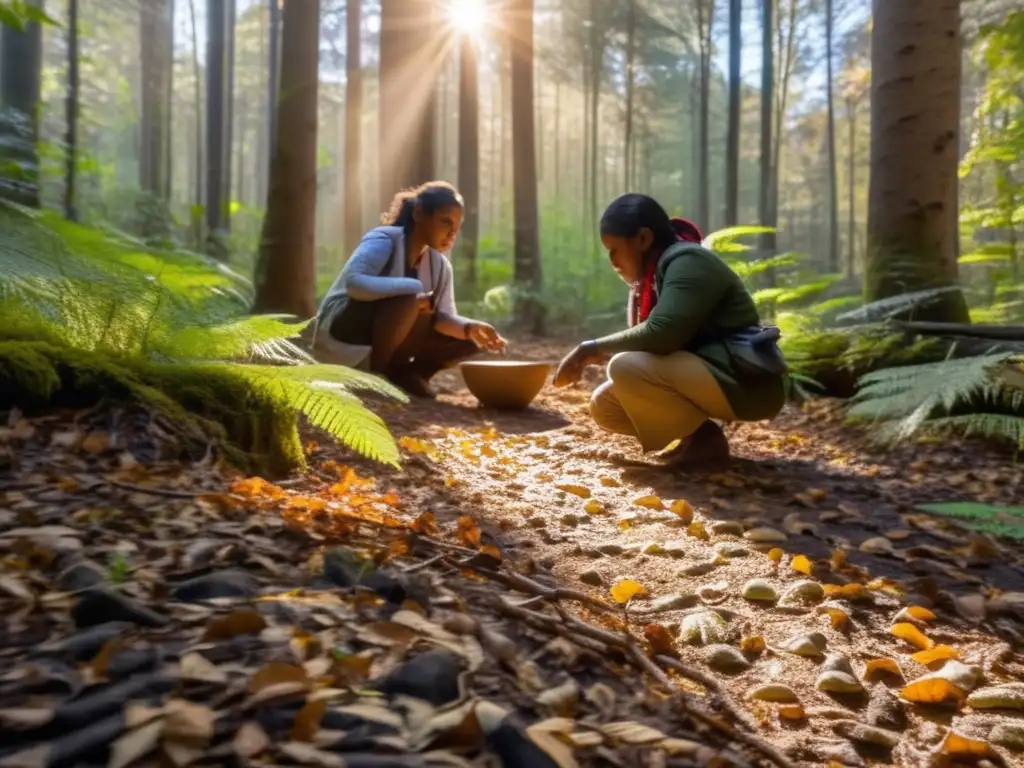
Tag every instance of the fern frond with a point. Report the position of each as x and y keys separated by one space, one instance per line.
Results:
x=1001 y=426
x=884 y=309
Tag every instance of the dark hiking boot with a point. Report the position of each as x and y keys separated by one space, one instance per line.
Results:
x=412 y=383
x=707 y=447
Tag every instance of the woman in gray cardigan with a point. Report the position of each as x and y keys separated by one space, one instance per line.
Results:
x=392 y=308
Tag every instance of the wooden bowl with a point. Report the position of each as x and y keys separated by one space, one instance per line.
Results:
x=505 y=384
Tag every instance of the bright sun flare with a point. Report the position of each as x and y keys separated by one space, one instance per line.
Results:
x=468 y=16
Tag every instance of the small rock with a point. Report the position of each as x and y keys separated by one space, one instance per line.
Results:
x=765 y=535
x=877 y=546
x=703 y=628
x=699 y=569
x=82 y=575
x=200 y=554
x=838 y=682
x=432 y=676
x=725 y=658
x=548 y=562
x=611 y=549
x=347 y=568
x=841 y=752
x=866 y=734
x=100 y=606
x=592 y=577
x=230 y=582
x=776 y=692
x=84 y=645
x=811 y=646
x=802 y=592
x=885 y=710
x=1006 y=696
x=712 y=594
x=837 y=662
x=970 y=607
x=731 y=549
x=672 y=602
x=727 y=528
x=759 y=590
x=460 y=624
x=570 y=520
x=1009 y=735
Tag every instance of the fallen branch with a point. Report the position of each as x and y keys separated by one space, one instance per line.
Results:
x=172 y=493
x=996 y=332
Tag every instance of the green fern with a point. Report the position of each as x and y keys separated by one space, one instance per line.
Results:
x=976 y=395
x=157 y=325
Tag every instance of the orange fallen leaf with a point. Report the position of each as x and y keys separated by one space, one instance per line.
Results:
x=752 y=644
x=837 y=616
x=609 y=482
x=649 y=502
x=912 y=635
x=697 y=530
x=275 y=673
x=844 y=591
x=626 y=590
x=425 y=524
x=468 y=532
x=625 y=525
x=932 y=690
x=593 y=507
x=237 y=623
x=921 y=613
x=878 y=667
x=775 y=555
x=792 y=712
x=955 y=745
x=659 y=639
x=682 y=509
x=576 y=490
x=801 y=564
x=492 y=551
x=307 y=720
x=937 y=653
x=838 y=559
x=96 y=442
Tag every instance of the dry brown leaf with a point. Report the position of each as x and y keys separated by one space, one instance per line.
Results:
x=307 y=721
x=135 y=744
x=307 y=754
x=96 y=442
x=801 y=564
x=912 y=635
x=97 y=668
x=188 y=722
x=625 y=590
x=33 y=757
x=425 y=524
x=195 y=666
x=250 y=740
x=276 y=673
x=23 y=718
x=937 y=653
x=660 y=639
x=629 y=732
x=244 y=621
x=551 y=736
x=15 y=588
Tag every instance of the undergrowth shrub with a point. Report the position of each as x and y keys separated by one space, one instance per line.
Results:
x=84 y=311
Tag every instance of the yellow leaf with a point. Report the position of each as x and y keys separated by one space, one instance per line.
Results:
x=792 y=712
x=912 y=635
x=626 y=590
x=415 y=445
x=876 y=667
x=837 y=616
x=932 y=690
x=921 y=613
x=844 y=591
x=752 y=644
x=838 y=559
x=937 y=653
x=697 y=530
x=682 y=509
x=609 y=482
x=775 y=555
x=649 y=502
x=576 y=490
x=802 y=564
x=955 y=745
x=625 y=525
x=593 y=507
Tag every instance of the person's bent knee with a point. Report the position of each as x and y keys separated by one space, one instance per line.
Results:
x=604 y=407
x=627 y=365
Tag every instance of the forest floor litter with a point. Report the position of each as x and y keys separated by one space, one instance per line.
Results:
x=526 y=592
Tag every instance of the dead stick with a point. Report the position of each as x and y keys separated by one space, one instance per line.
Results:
x=171 y=492
x=528 y=586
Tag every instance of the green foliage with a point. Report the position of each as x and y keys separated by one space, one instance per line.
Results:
x=18 y=13
x=101 y=310
x=974 y=395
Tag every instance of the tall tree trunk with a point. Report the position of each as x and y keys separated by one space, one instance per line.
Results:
x=833 y=180
x=353 y=124
x=168 y=157
x=410 y=62
x=851 y=259
x=915 y=131
x=197 y=203
x=71 y=116
x=557 y=138
x=705 y=22
x=732 y=152
x=216 y=100
x=627 y=138
x=230 y=20
x=469 y=158
x=156 y=37
x=764 y=204
x=273 y=90
x=286 y=265
x=527 y=271
x=21 y=74
x=597 y=46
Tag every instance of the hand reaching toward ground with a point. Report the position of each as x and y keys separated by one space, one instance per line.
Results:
x=485 y=336
x=570 y=370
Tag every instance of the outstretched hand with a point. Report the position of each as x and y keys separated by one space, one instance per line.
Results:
x=570 y=370
x=486 y=337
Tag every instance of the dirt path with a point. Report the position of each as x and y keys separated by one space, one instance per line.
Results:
x=514 y=597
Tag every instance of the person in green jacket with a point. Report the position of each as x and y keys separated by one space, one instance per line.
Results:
x=695 y=351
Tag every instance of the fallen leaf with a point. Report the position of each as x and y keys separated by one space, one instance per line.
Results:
x=752 y=644
x=957 y=746
x=697 y=530
x=96 y=442
x=649 y=502
x=912 y=635
x=775 y=555
x=879 y=667
x=682 y=509
x=937 y=653
x=660 y=640
x=188 y=722
x=593 y=507
x=576 y=490
x=792 y=712
x=844 y=591
x=241 y=622
x=135 y=744
x=801 y=564
x=609 y=482
x=425 y=524
x=838 y=559
x=626 y=590
x=920 y=613
x=307 y=721
x=468 y=532
x=631 y=733
x=550 y=736
x=250 y=740
x=196 y=667
x=837 y=616
x=276 y=673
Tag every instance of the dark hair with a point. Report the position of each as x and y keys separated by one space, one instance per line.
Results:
x=430 y=197
x=627 y=214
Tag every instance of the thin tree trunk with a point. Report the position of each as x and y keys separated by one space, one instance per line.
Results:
x=353 y=124
x=558 y=141
x=852 y=181
x=286 y=265
x=705 y=21
x=915 y=131
x=627 y=139
x=156 y=36
x=527 y=270
x=273 y=89
x=216 y=98
x=197 y=205
x=597 y=41
x=764 y=205
x=229 y=107
x=71 y=115
x=833 y=181
x=469 y=157
x=732 y=152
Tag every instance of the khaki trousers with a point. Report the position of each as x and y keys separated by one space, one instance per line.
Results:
x=658 y=398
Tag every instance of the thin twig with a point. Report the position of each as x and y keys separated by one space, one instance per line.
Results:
x=170 y=492
x=424 y=564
